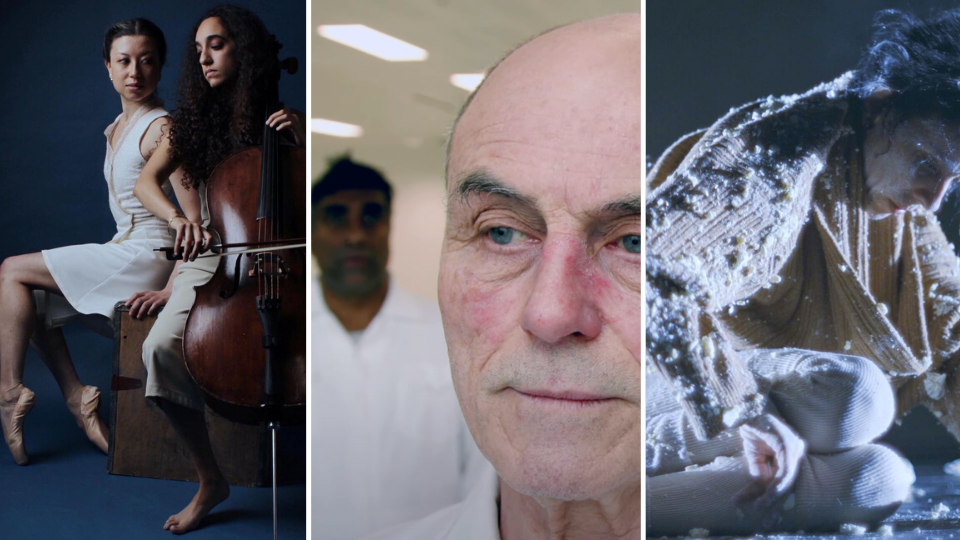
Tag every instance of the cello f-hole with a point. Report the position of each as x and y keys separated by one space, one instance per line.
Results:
x=236 y=281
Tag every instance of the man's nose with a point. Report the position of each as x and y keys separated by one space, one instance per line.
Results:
x=933 y=197
x=356 y=234
x=562 y=303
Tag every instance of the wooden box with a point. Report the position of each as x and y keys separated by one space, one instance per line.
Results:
x=142 y=442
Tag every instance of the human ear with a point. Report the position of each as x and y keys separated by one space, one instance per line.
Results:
x=875 y=105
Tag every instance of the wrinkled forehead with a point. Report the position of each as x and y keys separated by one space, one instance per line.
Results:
x=560 y=117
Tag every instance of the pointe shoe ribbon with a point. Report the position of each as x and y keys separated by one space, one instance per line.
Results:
x=90 y=419
x=13 y=433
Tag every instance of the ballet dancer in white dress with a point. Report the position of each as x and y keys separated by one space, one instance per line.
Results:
x=40 y=291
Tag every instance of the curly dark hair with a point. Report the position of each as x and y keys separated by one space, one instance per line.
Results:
x=211 y=123
x=917 y=60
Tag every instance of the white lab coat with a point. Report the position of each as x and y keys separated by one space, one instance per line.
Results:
x=389 y=441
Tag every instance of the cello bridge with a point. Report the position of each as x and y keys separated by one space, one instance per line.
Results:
x=268 y=264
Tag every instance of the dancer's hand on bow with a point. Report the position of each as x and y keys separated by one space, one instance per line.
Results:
x=192 y=238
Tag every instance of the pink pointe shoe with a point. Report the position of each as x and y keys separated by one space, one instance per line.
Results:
x=89 y=419
x=13 y=430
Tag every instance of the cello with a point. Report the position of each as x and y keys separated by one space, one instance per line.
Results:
x=244 y=342
x=245 y=337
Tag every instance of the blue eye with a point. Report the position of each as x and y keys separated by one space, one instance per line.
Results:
x=505 y=235
x=631 y=243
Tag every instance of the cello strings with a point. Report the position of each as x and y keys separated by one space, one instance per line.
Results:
x=275 y=215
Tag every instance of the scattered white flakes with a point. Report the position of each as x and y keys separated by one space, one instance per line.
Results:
x=939 y=510
x=848 y=345
x=853 y=529
x=933 y=383
x=886 y=531
x=776 y=279
x=790 y=502
x=952 y=468
x=699 y=533
x=919 y=492
x=943 y=304
x=843 y=268
x=732 y=415
x=708 y=347
x=882 y=308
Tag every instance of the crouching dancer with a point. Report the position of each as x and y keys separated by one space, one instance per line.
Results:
x=791 y=226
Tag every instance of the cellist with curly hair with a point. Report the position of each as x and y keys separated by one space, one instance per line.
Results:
x=223 y=91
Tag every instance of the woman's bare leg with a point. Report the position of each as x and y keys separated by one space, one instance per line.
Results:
x=18 y=313
x=82 y=401
x=51 y=347
x=191 y=427
x=19 y=276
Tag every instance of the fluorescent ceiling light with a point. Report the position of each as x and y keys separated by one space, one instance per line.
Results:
x=370 y=41
x=336 y=129
x=467 y=81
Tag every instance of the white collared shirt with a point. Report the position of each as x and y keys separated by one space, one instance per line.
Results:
x=476 y=518
x=389 y=441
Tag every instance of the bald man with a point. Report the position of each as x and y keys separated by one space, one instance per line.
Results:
x=540 y=289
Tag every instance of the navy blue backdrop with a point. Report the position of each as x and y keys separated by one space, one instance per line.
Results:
x=56 y=99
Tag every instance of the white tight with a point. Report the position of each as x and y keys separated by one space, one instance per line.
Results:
x=836 y=403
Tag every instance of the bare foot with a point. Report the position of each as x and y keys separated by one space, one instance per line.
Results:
x=209 y=495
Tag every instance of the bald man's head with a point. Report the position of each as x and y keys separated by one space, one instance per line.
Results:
x=540 y=276
x=586 y=38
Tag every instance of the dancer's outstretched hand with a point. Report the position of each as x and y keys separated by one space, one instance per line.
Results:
x=146 y=303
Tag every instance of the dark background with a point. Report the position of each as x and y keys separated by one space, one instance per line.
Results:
x=55 y=101
x=704 y=57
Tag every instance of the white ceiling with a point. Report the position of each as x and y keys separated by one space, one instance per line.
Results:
x=405 y=108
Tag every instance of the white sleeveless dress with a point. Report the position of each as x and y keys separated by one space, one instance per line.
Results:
x=94 y=277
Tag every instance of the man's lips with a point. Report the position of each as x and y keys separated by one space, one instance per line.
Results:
x=356 y=261
x=573 y=396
